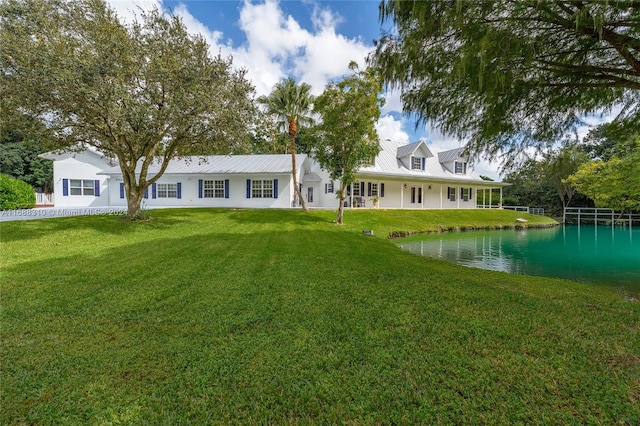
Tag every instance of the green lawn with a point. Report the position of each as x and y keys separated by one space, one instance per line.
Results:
x=259 y=316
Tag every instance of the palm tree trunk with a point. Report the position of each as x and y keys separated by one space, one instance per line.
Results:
x=294 y=173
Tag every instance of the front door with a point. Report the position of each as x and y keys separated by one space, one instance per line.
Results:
x=310 y=194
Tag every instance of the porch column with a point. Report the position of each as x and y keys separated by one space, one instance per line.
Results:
x=458 y=195
x=422 y=196
x=501 y=197
x=490 y=194
x=401 y=195
x=441 y=196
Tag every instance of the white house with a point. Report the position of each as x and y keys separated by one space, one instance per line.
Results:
x=402 y=176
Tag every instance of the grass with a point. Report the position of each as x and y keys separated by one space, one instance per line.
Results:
x=257 y=316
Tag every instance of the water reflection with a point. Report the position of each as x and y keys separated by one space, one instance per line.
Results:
x=596 y=254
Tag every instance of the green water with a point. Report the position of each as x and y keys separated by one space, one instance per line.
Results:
x=596 y=254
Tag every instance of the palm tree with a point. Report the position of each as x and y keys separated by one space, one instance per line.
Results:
x=291 y=104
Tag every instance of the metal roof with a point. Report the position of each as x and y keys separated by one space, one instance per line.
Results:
x=406 y=150
x=388 y=165
x=450 y=155
x=224 y=164
x=311 y=177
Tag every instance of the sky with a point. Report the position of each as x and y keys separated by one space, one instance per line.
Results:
x=312 y=41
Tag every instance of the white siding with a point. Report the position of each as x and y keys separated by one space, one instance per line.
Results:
x=84 y=166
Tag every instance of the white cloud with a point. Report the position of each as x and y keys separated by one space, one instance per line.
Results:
x=390 y=128
x=392 y=102
x=277 y=47
x=327 y=57
x=323 y=18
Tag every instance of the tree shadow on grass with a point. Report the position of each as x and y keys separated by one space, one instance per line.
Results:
x=109 y=224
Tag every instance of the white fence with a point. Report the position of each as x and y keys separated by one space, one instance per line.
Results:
x=533 y=210
x=44 y=199
x=581 y=215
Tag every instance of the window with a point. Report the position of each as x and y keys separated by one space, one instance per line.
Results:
x=167 y=190
x=374 y=189
x=213 y=189
x=460 y=168
x=330 y=187
x=219 y=189
x=452 y=194
x=81 y=187
x=261 y=189
x=356 y=189
x=465 y=194
x=416 y=163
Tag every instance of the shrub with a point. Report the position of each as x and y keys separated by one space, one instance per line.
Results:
x=15 y=194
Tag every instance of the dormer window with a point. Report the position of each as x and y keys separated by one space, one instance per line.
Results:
x=460 y=168
x=416 y=163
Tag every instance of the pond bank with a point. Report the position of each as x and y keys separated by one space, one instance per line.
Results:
x=443 y=229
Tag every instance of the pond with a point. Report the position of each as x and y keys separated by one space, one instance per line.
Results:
x=596 y=254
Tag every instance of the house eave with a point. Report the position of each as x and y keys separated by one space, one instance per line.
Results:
x=413 y=177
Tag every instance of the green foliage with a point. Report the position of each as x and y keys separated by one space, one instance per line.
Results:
x=612 y=184
x=557 y=165
x=290 y=104
x=529 y=187
x=217 y=324
x=541 y=183
x=19 y=159
x=511 y=74
x=15 y=194
x=608 y=140
x=346 y=138
x=143 y=92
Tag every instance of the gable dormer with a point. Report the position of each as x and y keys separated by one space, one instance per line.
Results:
x=454 y=161
x=413 y=156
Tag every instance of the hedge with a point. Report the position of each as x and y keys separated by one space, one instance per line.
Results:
x=15 y=194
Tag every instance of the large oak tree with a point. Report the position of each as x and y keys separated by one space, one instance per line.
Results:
x=139 y=93
x=511 y=74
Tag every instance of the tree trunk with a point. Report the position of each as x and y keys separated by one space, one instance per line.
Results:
x=134 y=199
x=343 y=195
x=295 y=177
x=134 y=193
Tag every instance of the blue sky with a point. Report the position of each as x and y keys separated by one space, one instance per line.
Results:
x=310 y=40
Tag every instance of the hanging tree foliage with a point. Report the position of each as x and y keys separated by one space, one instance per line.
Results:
x=139 y=93
x=512 y=74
